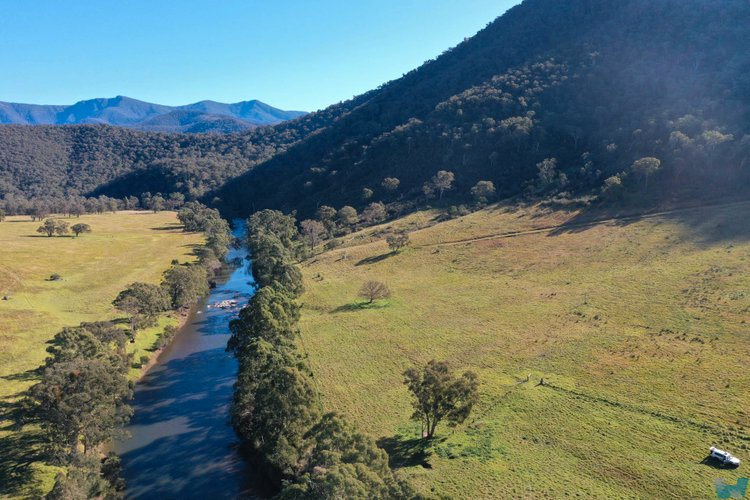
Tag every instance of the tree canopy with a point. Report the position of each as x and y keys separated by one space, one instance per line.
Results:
x=440 y=396
x=374 y=290
x=143 y=302
x=80 y=228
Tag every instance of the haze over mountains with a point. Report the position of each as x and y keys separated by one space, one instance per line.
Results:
x=552 y=97
x=203 y=116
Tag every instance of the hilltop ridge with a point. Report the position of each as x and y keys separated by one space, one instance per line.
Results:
x=203 y=116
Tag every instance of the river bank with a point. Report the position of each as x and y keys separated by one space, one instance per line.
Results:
x=181 y=443
x=182 y=319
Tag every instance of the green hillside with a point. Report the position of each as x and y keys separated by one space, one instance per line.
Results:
x=593 y=85
x=637 y=326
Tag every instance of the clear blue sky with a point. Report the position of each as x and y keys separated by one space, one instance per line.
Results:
x=293 y=54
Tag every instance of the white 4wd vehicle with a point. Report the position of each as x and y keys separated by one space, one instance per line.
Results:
x=724 y=457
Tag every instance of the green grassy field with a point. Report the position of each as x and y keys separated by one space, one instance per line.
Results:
x=639 y=328
x=123 y=248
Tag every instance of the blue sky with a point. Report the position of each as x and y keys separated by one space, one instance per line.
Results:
x=293 y=54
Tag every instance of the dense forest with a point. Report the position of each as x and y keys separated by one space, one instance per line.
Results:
x=593 y=85
x=554 y=97
x=74 y=160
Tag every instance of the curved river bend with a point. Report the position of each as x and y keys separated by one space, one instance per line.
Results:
x=181 y=443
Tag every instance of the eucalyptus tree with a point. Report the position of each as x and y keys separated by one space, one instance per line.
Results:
x=438 y=395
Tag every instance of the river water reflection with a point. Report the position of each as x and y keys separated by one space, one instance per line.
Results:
x=181 y=444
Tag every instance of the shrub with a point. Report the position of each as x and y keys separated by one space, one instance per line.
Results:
x=334 y=243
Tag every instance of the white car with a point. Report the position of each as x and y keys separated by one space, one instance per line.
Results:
x=724 y=457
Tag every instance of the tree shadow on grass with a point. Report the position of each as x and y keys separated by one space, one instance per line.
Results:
x=49 y=237
x=407 y=452
x=359 y=306
x=18 y=453
x=25 y=376
x=726 y=223
x=375 y=259
x=171 y=226
x=196 y=249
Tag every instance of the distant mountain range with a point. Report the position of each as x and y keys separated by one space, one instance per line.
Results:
x=551 y=98
x=200 y=117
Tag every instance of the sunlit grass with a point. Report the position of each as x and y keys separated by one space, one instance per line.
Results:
x=123 y=248
x=639 y=327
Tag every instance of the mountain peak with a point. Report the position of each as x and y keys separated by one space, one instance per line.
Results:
x=204 y=116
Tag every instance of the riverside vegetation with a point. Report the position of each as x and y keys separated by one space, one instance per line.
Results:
x=306 y=452
x=571 y=110
x=81 y=398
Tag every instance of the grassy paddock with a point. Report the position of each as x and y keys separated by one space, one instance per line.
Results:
x=123 y=248
x=638 y=327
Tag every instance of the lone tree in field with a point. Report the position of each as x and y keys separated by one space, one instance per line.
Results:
x=53 y=227
x=646 y=167
x=438 y=395
x=483 y=191
x=440 y=182
x=374 y=290
x=2 y=215
x=143 y=302
x=80 y=228
x=397 y=241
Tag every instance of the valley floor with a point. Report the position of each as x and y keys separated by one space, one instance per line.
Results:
x=123 y=248
x=638 y=326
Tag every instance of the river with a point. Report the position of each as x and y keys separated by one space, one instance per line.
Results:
x=181 y=444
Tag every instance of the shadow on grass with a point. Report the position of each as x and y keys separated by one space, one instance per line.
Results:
x=725 y=223
x=50 y=237
x=25 y=376
x=405 y=452
x=18 y=452
x=168 y=227
x=196 y=249
x=375 y=259
x=359 y=306
x=716 y=464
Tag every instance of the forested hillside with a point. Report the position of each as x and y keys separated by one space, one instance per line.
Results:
x=591 y=85
x=553 y=98
x=58 y=161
